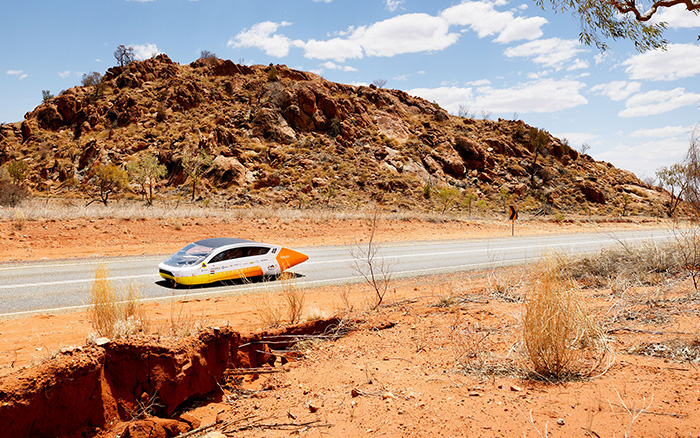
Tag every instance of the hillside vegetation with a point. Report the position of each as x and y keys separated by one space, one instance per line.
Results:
x=277 y=136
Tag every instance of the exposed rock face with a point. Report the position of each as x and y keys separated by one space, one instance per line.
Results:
x=274 y=130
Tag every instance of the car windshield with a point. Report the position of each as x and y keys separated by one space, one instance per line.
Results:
x=192 y=254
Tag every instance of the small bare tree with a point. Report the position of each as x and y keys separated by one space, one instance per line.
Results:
x=379 y=83
x=368 y=264
x=124 y=55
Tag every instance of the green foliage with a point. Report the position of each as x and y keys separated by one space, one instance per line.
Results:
x=124 y=55
x=146 y=172
x=272 y=73
x=447 y=197
x=196 y=165
x=427 y=190
x=505 y=196
x=105 y=181
x=18 y=171
x=600 y=20
x=46 y=96
x=468 y=200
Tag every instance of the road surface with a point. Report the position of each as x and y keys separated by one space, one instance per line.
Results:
x=43 y=286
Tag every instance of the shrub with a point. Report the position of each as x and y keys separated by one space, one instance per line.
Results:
x=12 y=194
x=560 y=340
x=113 y=315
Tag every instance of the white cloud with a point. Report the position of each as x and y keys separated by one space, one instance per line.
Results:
x=665 y=132
x=577 y=65
x=617 y=90
x=645 y=158
x=539 y=74
x=449 y=98
x=337 y=49
x=533 y=97
x=409 y=33
x=322 y=1
x=600 y=57
x=19 y=73
x=145 y=51
x=658 y=102
x=402 y=34
x=678 y=61
x=333 y=66
x=400 y=78
x=542 y=96
x=263 y=36
x=677 y=17
x=552 y=52
x=483 y=19
x=479 y=83
x=578 y=138
x=64 y=74
x=393 y=5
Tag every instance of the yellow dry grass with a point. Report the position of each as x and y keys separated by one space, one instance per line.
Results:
x=111 y=314
x=559 y=338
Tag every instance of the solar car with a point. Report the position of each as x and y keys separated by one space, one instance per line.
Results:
x=224 y=258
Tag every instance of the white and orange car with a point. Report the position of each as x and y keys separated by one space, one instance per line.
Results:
x=223 y=258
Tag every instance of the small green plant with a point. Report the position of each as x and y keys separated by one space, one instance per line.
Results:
x=105 y=181
x=146 y=172
x=18 y=170
x=448 y=197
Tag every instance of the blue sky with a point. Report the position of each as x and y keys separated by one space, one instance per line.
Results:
x=495 y=58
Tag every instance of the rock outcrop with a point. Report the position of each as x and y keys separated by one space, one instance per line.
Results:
x=273 y=130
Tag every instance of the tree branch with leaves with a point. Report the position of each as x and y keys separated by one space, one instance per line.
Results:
x=146 y=172
x=195 y=165
x=105 y=181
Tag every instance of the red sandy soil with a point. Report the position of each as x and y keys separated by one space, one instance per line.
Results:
x=400 y=371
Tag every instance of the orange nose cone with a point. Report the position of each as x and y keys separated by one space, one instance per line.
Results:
x=288 y=258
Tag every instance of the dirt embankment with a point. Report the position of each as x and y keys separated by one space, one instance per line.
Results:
x=83 y=390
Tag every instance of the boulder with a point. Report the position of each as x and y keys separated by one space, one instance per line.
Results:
x=229 y=171
x=593 y=194
x=47 y=117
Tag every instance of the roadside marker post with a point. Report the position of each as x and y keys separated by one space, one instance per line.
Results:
x=512 y=217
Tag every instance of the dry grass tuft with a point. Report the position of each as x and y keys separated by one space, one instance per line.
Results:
x=560 y=340
x=644 y=264
x=293 y=296
x=115 y=315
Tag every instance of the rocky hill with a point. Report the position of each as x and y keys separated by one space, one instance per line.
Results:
x=282 y=136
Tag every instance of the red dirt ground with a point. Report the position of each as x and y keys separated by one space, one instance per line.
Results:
x=400 y=370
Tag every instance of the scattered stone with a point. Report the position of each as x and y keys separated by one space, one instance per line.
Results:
x=515 y=388
x=560 y=422
x=355 y=392
x=314 y=407
x=388 y=395
x=102 y=341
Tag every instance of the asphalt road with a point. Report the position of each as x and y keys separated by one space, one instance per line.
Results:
x=32 y=287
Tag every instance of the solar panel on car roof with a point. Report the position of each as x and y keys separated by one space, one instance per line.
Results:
x=216 y=242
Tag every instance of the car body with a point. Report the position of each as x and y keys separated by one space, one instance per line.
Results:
x=224 y=258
